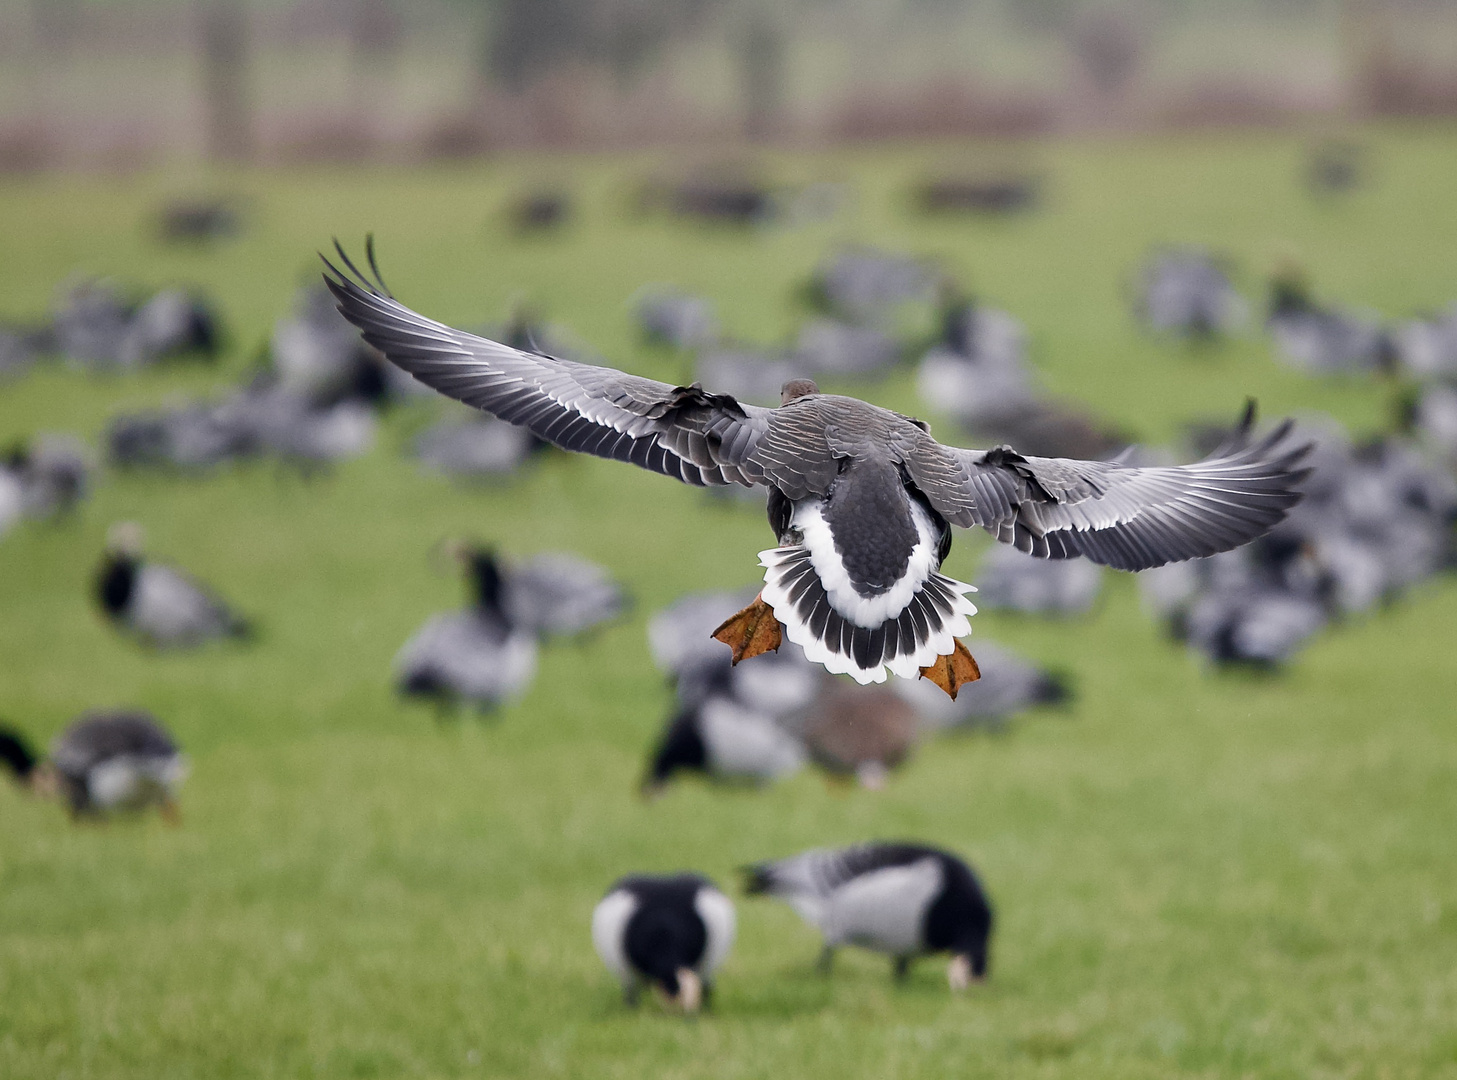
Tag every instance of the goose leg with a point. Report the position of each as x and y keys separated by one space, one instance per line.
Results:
x=902 y=968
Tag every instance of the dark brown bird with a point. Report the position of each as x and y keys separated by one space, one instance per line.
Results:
x=861 y=499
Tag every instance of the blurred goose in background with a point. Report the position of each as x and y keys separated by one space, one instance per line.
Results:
x=905 y=900
x=539 y=210
x=725 y=740
x=991 y=194
x=94 y=326
x=476 y=449
x=1434 y=420
x=105 y=761
x=830 y=347
x=1187 y=291
x=555 y=594
x=1008 y=580
x=1335 y=166
x=1376 y=519
x=53 y=471
x=1321 y=339
x=669 y=317
x=749 y=374
x=1427 y=348
x=315 y=356
x=160 y=604
x=1010 y=684
x=864 y=285
x=118 y=760
x=862 y=499
x=671 y=933
x=476 y=656
x=729 y=722
x=12 y=497
x=860 y=731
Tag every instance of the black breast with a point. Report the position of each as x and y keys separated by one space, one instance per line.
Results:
x=114 y=584
x=869 y=515
x=682 y=748
x=960 y=918
x=666 y=932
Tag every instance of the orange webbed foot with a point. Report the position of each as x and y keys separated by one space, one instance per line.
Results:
x=752 y=631
x=953 y=670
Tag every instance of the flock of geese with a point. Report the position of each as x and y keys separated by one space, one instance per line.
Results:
x=853 y=649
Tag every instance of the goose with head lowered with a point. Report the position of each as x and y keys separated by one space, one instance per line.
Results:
x=861 y=499
x=669 y=932
x=106 y=761
x=905 y=900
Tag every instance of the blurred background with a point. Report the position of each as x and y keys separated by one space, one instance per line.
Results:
x=123 y=83
x=1212 y=805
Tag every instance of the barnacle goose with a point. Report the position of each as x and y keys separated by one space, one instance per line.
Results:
x=672 y=933
x=903 y=899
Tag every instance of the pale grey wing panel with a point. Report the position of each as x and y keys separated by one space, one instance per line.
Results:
x=682 y=432
x=1136 y=518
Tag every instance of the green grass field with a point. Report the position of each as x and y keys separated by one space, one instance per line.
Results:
x=1196 y=874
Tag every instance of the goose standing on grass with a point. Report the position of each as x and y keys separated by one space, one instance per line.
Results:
x=861 y=499
x=106 y=761
x=477 y=655
x=118 y=760
x=906 y=900
x=162 y=605
x=672 y=933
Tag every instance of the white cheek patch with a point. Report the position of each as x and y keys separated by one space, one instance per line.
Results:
x=609 y=922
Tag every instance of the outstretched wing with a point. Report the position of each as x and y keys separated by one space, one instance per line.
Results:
x=1121 y=515
x=682 y=432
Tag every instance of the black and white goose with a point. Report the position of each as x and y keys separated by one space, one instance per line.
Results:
x=104 y=762
x=672 y=933
x=906 y=900
x=861 y=499
x=161 y=604
x=477 y=655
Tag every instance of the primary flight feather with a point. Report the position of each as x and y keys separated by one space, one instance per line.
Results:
x=861 y=498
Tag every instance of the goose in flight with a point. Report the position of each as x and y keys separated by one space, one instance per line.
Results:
x=861 y=499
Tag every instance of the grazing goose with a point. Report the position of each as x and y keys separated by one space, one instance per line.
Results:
x=729 y=721
x=476 y=449
x=1187 y=291
x=861 y=499
x=477 y=655
x=726 y=741
x=53 y=471
x=162 y=605
x=118 y=760
x=670 y=932
x=860 y=731
x=1009 y=684
x=668 y=317
x=559 y=595
x=1427 y=348
x=1008 y=580
x=1324 y=339
x=906 y=900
